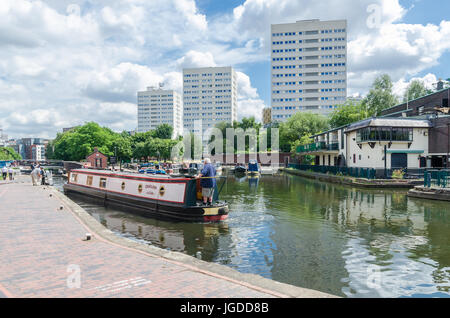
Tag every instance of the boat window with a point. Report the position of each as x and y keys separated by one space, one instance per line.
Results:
x=89 y=180
x=123 y=186
x=102 y=183
x=140 y=188
x=74 y=177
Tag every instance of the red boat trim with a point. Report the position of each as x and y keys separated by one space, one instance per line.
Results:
x=133 y=195
x=119 y=176
x=214 y=218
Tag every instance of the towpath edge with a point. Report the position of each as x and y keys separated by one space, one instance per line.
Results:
x=41 y=240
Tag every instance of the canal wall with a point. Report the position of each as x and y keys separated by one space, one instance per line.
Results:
x=44 y=248
x=356 y=182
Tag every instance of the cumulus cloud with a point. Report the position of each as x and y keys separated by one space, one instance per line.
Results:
x=249 y=103
x=196 y=59
x=64 y=62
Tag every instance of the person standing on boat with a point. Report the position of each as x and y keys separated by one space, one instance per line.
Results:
x=208 y=181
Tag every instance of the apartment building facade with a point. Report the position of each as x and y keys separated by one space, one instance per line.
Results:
x=308 y=67
x=209 y=96
x=157 y=106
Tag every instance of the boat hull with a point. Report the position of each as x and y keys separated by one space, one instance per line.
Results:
x=152 y=208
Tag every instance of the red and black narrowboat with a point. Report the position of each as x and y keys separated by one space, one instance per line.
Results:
x=162 y=196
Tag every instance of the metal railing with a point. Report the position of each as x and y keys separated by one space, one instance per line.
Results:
x=436 y=178
x=317 y=146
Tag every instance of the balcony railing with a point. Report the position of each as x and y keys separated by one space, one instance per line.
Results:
x=318 y=146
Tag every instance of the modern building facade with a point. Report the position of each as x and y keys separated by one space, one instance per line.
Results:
x=157 y=106
x=266 y=115
x=209 y=95
x=308 y=67
x=38 y=152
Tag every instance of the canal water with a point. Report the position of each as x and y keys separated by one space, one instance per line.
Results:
x=346 y=241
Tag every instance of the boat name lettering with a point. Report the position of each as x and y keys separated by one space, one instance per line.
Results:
x=150 y=186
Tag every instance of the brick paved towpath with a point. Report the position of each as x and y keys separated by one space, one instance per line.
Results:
x=43 y=254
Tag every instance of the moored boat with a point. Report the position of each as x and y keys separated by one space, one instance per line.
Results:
x=240 y=169
x=253 y=168
x=156 y=196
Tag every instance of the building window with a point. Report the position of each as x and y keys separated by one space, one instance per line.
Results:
x=384 y=134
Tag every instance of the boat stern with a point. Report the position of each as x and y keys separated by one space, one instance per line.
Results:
x=215 y=213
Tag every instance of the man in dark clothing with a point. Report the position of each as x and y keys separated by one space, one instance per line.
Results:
x=208 y=181
x=43 y=176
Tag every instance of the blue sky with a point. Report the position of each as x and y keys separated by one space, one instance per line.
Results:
x=65 y=62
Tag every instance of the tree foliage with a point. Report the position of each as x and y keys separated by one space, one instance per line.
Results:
x=300 y=125
x=348 y=113
x=415 y=89
x=8 y=153
x=77 y=144
x=380 y=96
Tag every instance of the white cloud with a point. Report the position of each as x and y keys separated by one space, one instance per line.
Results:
x=196 y=59
x=249 y=103
x=401 y=85
x=61 y=67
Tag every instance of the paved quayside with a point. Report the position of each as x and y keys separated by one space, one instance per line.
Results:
x=43 y=254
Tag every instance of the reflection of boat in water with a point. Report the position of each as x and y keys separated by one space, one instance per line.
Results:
x=159 y=195
x=253 y=182
x=181 y=237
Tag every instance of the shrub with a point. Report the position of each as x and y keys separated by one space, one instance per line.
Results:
x=398 y=174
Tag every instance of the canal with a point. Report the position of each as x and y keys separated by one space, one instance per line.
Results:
x=341 y=240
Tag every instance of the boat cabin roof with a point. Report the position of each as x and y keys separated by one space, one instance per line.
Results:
x=126 y=174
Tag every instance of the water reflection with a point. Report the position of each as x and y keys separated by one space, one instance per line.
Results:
x=337 y=239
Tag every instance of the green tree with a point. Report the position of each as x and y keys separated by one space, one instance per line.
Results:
x=139 y=151
x=78 y=143
x=415 y=89
x=299 y=125
x=348 y=113
x=380 y=96
x=8 y=153
x=122 y=147
x=163 y=131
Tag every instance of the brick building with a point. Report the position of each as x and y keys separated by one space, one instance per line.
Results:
x=97 y=159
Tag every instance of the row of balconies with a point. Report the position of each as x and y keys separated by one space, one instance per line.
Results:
x=319 y=146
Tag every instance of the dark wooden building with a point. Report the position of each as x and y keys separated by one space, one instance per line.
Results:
x=435 y=108
x=429 y=104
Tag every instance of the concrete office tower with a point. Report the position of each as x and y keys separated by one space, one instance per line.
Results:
x=266 y=115
x=209 y=95
x=157 y=106
x=309 y=67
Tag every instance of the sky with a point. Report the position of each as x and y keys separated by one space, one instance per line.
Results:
x=67 y=62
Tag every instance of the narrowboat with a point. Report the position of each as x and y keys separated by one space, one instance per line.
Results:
x=240 y=169
x=160 y=196
x=253 y=168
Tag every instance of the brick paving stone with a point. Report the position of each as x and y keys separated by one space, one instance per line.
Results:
x=42 y=249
